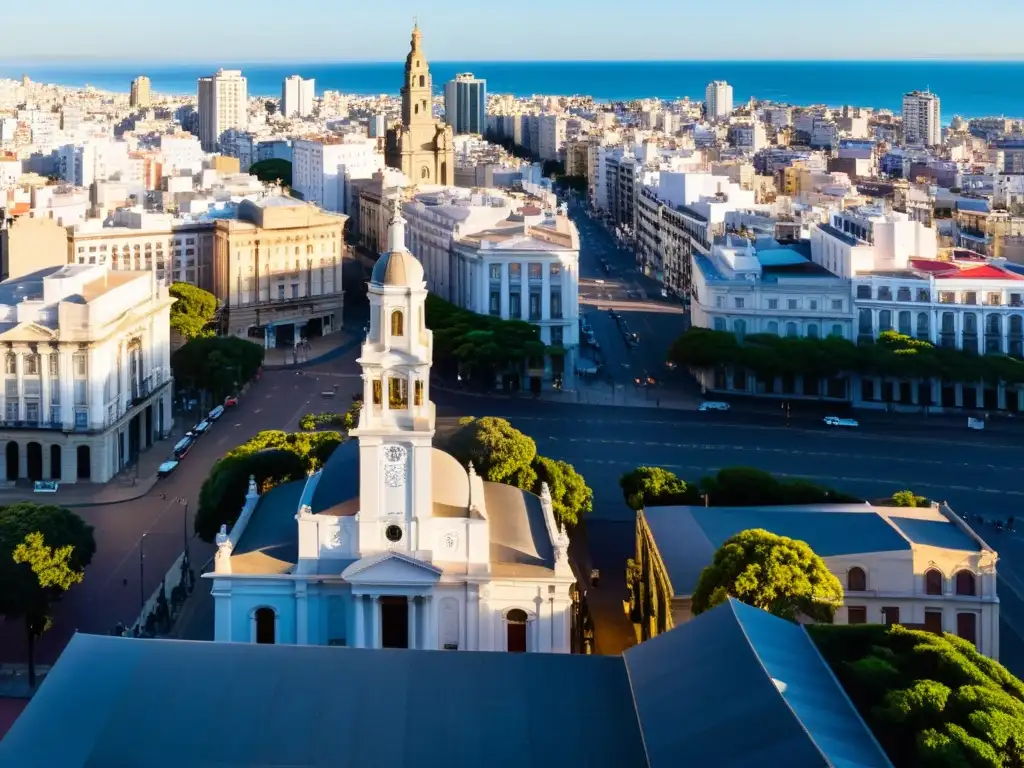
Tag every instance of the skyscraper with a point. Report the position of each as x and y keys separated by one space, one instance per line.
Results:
x=140 y=92
x=297 y=97
x=223 y=104
x=922 y=118
x=420 y=146
x=718 y=100
x=465 y=104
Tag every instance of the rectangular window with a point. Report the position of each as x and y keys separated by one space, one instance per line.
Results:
x=32 y=413
x=515 y=271
x=31 y=365
x=32 y=387
x=10 y=365
x=933 y=621
x=495 y=303
x=739 y=303
x=814 y=305
x=54 y=363
x=719 y=323
x=398 y=393
x=856 y=615
x=11 y=388
x=970 y=297
x=947 y=297
x=418 y=393
x=837 y=305
x=556 y=270
x=773 y=303
x=534 y=305
x=295 y=290
x=495 y=271
x=719 y=302
x=81 y=419
x=81 y=392
x=557 y=335
x=556 y=304
x=55 y=415
x=967 y=626
x=535 y=271
x=515 y=306
x=377 y=397
x=81 y=365
x=995 y=299
x=890 y=616
x=792 y=303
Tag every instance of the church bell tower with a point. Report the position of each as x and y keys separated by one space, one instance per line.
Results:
x=396 y=423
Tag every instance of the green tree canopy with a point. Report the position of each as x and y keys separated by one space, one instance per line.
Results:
x=774 y=573
x=655 y=487
x=272 y=170
x=44 y=550
x=502 y=454
x=893 y=355
x=193 y=311
x=218 y=364
x=908 y=499
x=273 y=458
x=931 y=700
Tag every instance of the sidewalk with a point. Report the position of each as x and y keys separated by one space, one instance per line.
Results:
x=316 y=351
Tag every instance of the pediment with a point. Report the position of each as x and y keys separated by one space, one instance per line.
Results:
x=28 y=332
x=391 y=568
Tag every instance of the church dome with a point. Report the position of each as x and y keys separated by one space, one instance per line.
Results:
x=398 y=268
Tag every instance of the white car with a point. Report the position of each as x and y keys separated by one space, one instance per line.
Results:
x=713 y=406
x=835 y=421
x=215 y=414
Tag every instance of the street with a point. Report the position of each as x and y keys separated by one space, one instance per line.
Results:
x=110 y=592
x=975 y=476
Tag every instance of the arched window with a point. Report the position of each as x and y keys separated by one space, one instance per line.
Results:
x=856 y=580
x=424 y=173
x=933 y=582
x=739 y=327
x=812 y=331
x=397 y=323
x=423 y=81
x=265 y=620
x=415 y=109
x=837 y=331
x=516 y=623
x=791 y=330
x=773 y=327
x=965 y=583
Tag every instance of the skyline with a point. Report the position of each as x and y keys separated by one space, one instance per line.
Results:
x=458 y=32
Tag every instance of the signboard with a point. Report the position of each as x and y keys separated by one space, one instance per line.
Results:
x=45 y=486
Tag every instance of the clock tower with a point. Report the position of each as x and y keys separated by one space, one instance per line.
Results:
x=396 y=423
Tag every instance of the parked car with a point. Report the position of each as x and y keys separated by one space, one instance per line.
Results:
x=230 y=401
x=183 y=447
x=711 y=405
x=216 y=413
x=165 y=469
x=835 y=421
x=201 y=428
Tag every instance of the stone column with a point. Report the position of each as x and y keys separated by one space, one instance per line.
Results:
x=375 y=622
x=473 y=620
x=19 y=362
x=44 y=391
x=504 y=292
x=430 y=622
x=412 y=623
x=358 y=632
x=301 y=614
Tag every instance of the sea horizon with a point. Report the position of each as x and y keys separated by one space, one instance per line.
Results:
x=967 y=87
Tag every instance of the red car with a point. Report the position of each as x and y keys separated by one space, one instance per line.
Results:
x=230 y=400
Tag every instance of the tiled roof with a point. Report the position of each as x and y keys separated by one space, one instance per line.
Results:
x=983 y=272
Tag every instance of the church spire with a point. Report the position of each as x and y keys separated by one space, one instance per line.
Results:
x=417 y=96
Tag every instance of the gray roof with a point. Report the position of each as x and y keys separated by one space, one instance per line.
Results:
x=687 y=537
x=339 y=483
x=704 y=694
x=118 y=701
x=269 y=543
x=738 y=687
x=839 y=235
x=519 y=534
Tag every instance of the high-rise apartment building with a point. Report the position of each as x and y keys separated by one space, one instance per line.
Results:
x=718 y=100
x=140 y=96
x=922 y=118
x=465 y=104
x=223 y=101
x=297 y=97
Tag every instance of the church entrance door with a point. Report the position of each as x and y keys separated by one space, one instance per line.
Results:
x=394 y=622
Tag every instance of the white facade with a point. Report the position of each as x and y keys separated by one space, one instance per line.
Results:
x=922 y=119
x=550 y=136
x=87 y=372
x=422 y=555
x=97 y=159
x=718 y=98
x=223 y=104
x=297 y=96
x=10 y=172
x=181 y=152
x=863 y=239
x=323 y=168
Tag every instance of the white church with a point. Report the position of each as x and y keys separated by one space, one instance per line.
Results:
x=394 y=544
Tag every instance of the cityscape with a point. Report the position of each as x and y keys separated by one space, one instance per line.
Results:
x=692 y=425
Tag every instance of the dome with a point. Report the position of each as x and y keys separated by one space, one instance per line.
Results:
x=398 y=268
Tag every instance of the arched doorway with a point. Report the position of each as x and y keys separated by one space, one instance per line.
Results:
x=55 y=462
x=84 y=457
x=266 y=626
x=13 y=470
x=515 y=622
x=34 y=452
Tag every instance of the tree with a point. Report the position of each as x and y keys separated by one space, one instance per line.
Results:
x=908 y=499
x=193 y=311
x=775 y=573
x=571 y=497
x=272 y=458
x=216 y=364
x=272 y=170
x=654 y=486
x=44 y=550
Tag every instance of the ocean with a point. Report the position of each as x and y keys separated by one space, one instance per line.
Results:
x=967 y=88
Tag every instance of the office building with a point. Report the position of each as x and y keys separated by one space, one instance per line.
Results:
x=87 y=372
x=718 y=100
x=922 y=119
x=324 y=167
x=140 y=95
x=223 y=104
x=297 y=97
x=465 y=104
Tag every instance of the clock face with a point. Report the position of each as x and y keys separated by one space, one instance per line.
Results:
x=393 y=533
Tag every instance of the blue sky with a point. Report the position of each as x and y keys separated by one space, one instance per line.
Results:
x=483 y=30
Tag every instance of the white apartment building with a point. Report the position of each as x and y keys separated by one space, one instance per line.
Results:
x=868 y=238
x=181 y=153
x=718 y=99
x=96 y=159
x=87 y=376
x=223 y=104
x=922 y=119
x=10 y=172
x=323 y=168
x=525 y=267
x=749 y=136
x=297 y=96
x=550 y=136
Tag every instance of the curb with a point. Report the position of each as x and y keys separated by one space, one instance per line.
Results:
x=338 y=351
x=142 y=489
